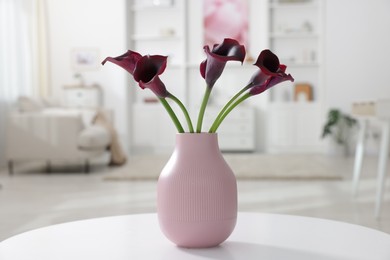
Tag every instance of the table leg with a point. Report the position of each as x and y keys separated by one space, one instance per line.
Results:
x=359 y=153
x=86 y=166
x=10 y=167
x=48 y=166
x=382 y=166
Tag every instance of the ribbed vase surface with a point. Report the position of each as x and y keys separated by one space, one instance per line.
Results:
x=197 y=193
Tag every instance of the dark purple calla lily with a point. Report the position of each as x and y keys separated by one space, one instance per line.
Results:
x=146 y=74
x=212 y=68
x=278 y=77
x=145 y=70
x=127 y=60
x=155 y=85
x=269 y=66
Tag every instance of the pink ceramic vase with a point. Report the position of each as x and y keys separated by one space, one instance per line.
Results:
x=197 y=193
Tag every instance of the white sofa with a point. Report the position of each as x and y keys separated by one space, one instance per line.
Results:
x=54 y=134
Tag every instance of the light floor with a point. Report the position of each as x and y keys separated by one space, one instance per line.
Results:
x=30 y=200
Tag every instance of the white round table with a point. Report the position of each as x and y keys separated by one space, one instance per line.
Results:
x=256 y=236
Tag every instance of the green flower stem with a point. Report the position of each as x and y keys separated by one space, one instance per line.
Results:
x=172 y=115
x=203 y=109
x=228 y=104
x=187 y=116
x=216 y=124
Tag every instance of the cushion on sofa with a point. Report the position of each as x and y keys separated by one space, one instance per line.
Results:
x=29 y=104
x=94 y=137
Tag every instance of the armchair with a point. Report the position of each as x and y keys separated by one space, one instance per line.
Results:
x=54 y=134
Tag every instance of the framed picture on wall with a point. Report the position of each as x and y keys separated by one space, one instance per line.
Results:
x=225 y=19
x=85 y=59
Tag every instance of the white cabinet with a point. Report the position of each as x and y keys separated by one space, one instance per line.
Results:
x=177 y=32
x=155 y=132
x=166 y=35
x=296 y=35
x=237 y=131
x=295 y=128
x=82 y=96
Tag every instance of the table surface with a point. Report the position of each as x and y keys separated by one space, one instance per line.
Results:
x=256 y=236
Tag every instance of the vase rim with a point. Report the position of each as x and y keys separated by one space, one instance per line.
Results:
x=202 y=133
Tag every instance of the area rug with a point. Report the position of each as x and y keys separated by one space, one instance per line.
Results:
x=245 y=166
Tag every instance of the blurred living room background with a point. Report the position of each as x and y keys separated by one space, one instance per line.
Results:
x=63 y=114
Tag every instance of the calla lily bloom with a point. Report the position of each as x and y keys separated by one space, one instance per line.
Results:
x=127 y=60
x=270 y=73
x=212 y=68
x=279 y=77
x=269 y=66
x=146 y=74
x=145 y=70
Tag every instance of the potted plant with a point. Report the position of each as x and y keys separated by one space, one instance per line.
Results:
x=197 y=190
x=339 y=127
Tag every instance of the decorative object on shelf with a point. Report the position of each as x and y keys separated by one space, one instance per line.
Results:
x=150 y=100
x=339 y=126
x=303 y=92
x=167 y=32
x=197 y=192
x=307 y=26
x=80 y=78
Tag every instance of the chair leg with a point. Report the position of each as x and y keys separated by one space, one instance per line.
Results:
x=10 y=167
x=382 y=166
x=48 y=166
x=86 y=166
x=359 y=154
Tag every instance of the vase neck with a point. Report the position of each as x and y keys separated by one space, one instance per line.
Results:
x=197 y=143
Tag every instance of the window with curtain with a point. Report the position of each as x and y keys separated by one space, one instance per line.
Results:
x=23 y=56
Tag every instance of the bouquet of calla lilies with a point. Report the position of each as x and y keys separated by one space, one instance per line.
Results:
x=146 y=70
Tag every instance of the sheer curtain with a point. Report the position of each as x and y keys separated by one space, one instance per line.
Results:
x=23 y=58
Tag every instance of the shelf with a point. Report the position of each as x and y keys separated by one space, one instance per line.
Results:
x=155 y=38
x=302 y=5
x=294 y=105
x=229 y=65
x=294 y=35
x=303 y=64
x=152 y=7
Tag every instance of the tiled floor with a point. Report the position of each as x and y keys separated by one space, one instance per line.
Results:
x=32 y=200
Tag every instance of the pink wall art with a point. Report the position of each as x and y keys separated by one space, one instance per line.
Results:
x=225 y=19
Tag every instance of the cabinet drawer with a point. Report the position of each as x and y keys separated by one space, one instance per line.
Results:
x=236 y=142
x=82 y=97
x=239 y=128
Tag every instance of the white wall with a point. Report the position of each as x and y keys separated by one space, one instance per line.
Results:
x=357 y=51
x=96 y=24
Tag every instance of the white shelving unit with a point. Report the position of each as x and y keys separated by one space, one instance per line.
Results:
x=176 y=31
x=296 y=35
x=163 y=36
